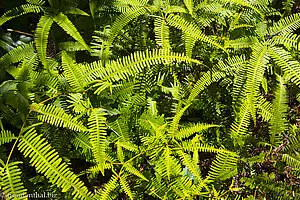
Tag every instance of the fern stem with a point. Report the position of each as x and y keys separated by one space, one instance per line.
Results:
x=15 y=143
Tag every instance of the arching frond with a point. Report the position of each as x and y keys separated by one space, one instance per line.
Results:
x=11 y=184
x=73 y=73
x=108 y=188
x=57 y=117
x=125 y=186
x=19 y=11
x=278 y=122
x=191 y=129
x=41 y=37
x=64 y=22
x=162 y=33
x=191 y=29
x=46 y=161
x=6 y=137
x=97 y=131
x=285 y=25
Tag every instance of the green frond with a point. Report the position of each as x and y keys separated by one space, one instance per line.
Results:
x=97 y=129
x=122 y=21
x=278 y=123
x=189 y=4
x=129 y=168
x=255 y=74
x=287 y=63
x=81 y=141
x=245 y=42
x=57 y=117
x=46 y=161
x=249 y=4
x=239 y=128
x=75 y=11
x=73 y=73
x=64 y=22
x=78 y=103
x=6 y=137
x=19 y=11
x=108 y=188
x=11 y=184
x=176 y=119
x=223 y=167
x=264 y=109
x=36 y=2
x=161 y=31
x=189 y=44
x=191 y=129
x=191 y=29
x=120 y=153
x=17 y=54
x=190 y=146
x=292 y=161
x=120 y=128
x=125 y=186
x=41 y=37
x=289 y=40
x=129 y=146
x=206 y=79
x=128 y=66
x=193 y=167
x=286 y=25
x=71 y=46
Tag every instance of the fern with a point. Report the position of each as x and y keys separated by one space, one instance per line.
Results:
x=19 y=11
x=191 y=29
x=11 y=183
x=125 y=186
x=285 y=25
x=41 y=37
x=6 y=137
x=190 y=130
x=162 y=33
x=47 y=162
x=97 y=136
x=57 y=117
x=278 y=122
x=108 y=188
x=64 y=22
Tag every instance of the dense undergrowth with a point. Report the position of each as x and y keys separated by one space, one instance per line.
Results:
x=150 y=99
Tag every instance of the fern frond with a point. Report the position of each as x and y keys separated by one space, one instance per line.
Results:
x=11 y=184
x=71 y=46
x=57 y=117
x=108 y=188
x=125 y=186
x=19 y=11
x=289 y=40
x=244 y=42
x=278 y=122
x=189 y=4
x=239 y=128
x=188 y=162
x=224 y=166
x=286 y=25
x=41 y=37
x=255 y=74
x=264 y=109
x=129 y=168
x=291 y=161
x=189 y=44
x=17 y=54
x=6 y=137
x=64 y=22
x=162 y=31
x=191 y=29
x=122 y=21
x=123 y=68
x=46 y=161
x=97 y=129
x=190 y=130
x=176 y=119
x=73 y=73
x=189 y=146
x=287 y=63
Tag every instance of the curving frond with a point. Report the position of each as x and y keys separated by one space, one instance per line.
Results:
x=11 y=184
x=108 y=188
x=19 y=11
x=125 y=186
x=162 y=31
x=191 y=29
x=41 y=37
x=57 y=117
x=223 y=167
x=97 y=129
x=191 y=129
x=287 y=63
x=46 y=161
x=278 y=123
x=286 y=25
x=6 y=137
x=73 y=73
x=64 y=22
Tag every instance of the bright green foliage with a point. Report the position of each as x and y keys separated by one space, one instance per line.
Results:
x=162 y=99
